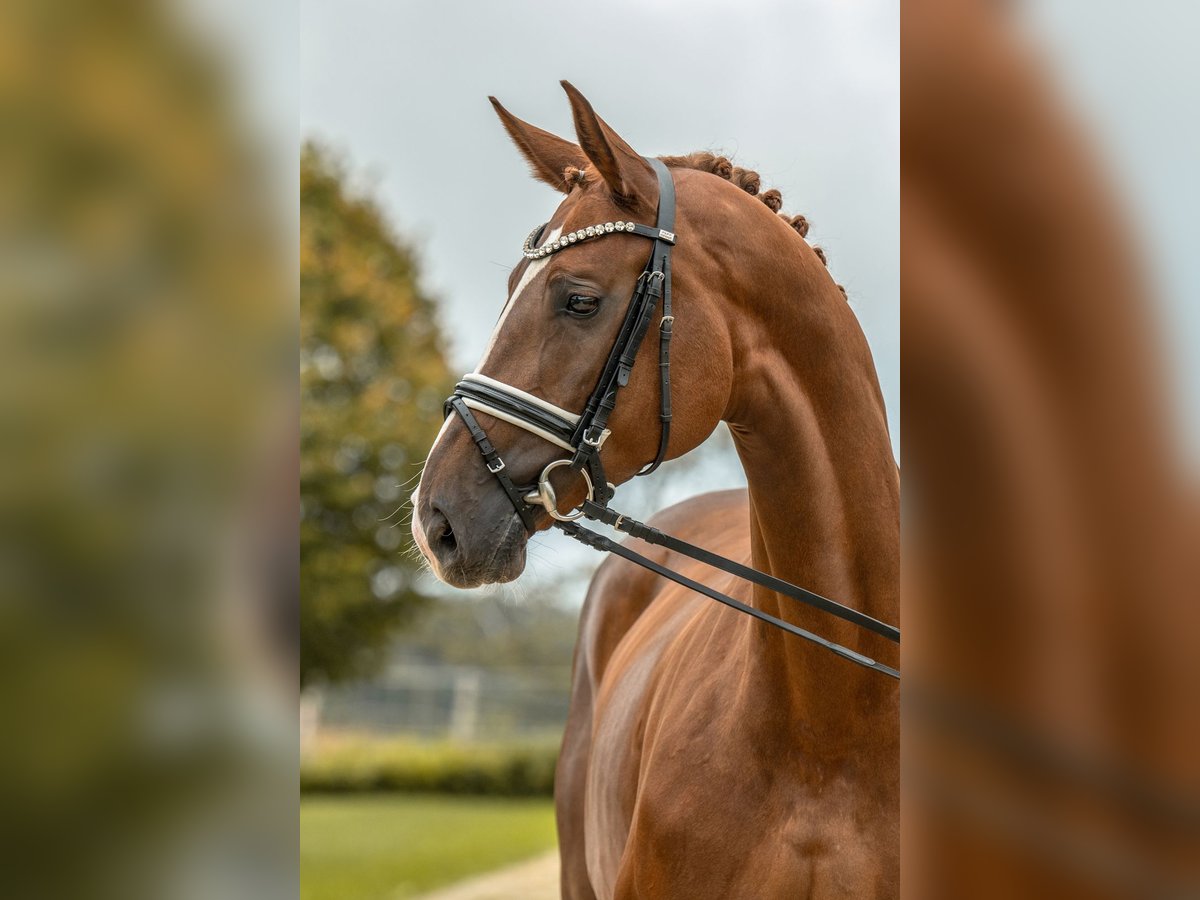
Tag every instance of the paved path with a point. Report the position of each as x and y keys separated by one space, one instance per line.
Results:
x=534 y=879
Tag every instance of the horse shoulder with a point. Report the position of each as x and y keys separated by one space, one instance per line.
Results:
x=620 y=592
x=615 y=658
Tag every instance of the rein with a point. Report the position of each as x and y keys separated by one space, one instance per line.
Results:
x=583 y=435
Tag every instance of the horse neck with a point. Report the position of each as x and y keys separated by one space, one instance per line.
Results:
x=808 y=421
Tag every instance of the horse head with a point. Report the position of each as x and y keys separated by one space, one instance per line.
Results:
x=564 y=313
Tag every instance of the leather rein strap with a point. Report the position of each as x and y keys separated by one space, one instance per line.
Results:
x=652 y=535
x=600 y=542
x=583 y=436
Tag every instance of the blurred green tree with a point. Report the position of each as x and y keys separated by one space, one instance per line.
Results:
x=373 y=374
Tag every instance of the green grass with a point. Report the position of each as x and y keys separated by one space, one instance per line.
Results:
x=390 y=846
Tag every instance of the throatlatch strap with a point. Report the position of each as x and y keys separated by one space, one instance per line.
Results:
x=600 y=542
x=666 y=327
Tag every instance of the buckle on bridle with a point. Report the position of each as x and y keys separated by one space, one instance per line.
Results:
x=545 y=497
x=593 y=440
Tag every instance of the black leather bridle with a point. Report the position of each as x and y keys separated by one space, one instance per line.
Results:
x=583 y=435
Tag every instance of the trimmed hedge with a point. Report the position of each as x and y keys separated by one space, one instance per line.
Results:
x=345 y=765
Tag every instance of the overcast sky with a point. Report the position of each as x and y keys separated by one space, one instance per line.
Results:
x=806 y=93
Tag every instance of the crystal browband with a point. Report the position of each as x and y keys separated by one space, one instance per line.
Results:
x=592 y=231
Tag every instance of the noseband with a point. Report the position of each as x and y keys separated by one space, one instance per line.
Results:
x=582 y=435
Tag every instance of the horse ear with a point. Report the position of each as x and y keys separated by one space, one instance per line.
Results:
x=628 y=176
x=548 y=155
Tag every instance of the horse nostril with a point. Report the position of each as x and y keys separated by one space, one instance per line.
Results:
x=441 y=535
x=448 y=541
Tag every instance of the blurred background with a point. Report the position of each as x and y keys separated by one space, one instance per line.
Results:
x=148 y=410
x=1051 y=581
x=414 y=204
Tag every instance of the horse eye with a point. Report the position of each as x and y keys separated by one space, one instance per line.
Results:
x=582 y=306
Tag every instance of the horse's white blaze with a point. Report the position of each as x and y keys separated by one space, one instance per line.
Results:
x=437 y=440
x=530 y=273
x=418 y=533
x=418 y=527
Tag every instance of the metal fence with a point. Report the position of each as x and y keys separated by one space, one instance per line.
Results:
x=463 y=703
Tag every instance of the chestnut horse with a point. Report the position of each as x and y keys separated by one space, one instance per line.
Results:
x=706 y=754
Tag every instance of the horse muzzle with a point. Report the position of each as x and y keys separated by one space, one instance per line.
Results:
x=470 y=544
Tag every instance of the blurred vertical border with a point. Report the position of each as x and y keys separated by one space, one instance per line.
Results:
x=148 y=504
x=1052 y=591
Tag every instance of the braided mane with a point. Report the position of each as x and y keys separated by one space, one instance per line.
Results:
x=749 y=181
